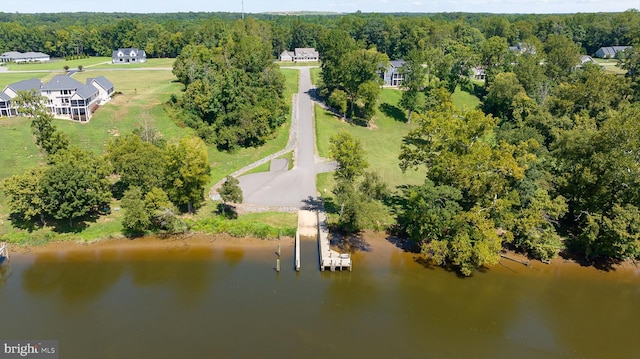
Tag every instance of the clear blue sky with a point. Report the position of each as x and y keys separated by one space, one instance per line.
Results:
x=256 y=6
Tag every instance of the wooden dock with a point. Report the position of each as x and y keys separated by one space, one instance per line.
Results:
x=330 y=259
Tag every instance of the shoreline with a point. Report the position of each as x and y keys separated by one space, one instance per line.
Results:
x=376 y=247
x=195 y=240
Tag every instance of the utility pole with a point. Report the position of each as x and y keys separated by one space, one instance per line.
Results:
x=242 y=9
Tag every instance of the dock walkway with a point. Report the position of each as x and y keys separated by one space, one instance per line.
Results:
x=330 y=259
x=313 y=223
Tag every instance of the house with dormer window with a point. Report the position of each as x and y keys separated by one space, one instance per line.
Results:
x=128 y=55
x=64 y=97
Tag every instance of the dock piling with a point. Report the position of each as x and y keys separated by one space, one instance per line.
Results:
x=297 y=259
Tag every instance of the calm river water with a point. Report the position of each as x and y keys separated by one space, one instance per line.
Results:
x=230 y=303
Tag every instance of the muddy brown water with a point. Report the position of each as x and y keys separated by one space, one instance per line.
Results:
x=228 y=302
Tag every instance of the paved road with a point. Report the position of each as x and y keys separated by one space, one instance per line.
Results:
x=296 y=187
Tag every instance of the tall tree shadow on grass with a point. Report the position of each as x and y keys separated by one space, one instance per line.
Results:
x=393 y=111
x=18 y=221
x=75 y=226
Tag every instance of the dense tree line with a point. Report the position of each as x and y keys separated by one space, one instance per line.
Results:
x=165 y=35
x=548 y=163
x=234 y=93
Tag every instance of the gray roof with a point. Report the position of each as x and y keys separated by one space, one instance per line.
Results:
x=608 y=51
x=127 y=51
x=26 y=85
x=62 y=82
x=4 y=97
x=305 y=52
x=612 y=50
x=102 y=81
x=86 y=91
x=620 y=48
x=14 y=55
x=397 y=63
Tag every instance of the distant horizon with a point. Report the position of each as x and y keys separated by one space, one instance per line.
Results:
x=498 y=7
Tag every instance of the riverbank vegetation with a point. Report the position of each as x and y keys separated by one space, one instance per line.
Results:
x=501 y=136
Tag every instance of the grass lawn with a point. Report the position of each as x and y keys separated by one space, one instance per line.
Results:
x=295 y=64
x=58 y=64
x=610 y=65
x=315 y=75
x=291 y=81
x=143 y=98
x=381 y=141
x=463 y=99
x=150 y=63
x=7 y=78
x=278 y=219
x=144 y=94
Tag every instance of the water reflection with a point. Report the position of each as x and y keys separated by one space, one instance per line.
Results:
x=84 y=276
x=76 y=277
x=189 y=301
x=5 y=272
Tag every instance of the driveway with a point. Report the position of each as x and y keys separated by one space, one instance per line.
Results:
x=295 y=187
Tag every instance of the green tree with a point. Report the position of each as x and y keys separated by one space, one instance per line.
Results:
x=358 y=210
x=24 y=195
x=138 y=163
x=136 y=219
x=360 y=73
x=430 y=213
x=349 y=154
x=494 y=53
x=230 y=192
x=368 y=98
x=597 y=171
x=334 y=46
x=562 y=56
x=458 y=150
x=338 y=100
x=47 y=137
x=631 y=62
x=75 y=185
x=591 y=90
x=501 y=95
x=187 y=172
x=414 y=73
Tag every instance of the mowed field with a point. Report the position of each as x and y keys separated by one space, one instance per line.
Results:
x=143 y=94
x=381 y=141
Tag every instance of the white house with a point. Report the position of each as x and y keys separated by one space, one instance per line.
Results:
x=300 y=54
x=18 y=57
x=128 y=55
x=65 y=97
x=5 y=105
x=392 y=75
x=104 y=86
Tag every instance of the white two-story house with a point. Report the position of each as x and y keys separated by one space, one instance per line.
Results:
x=64 y=96
x=128 y=55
